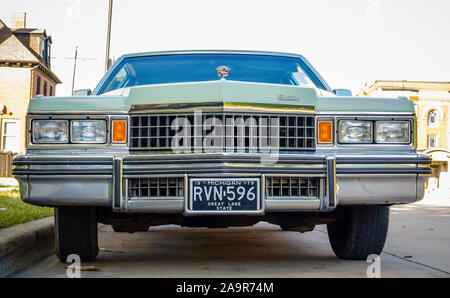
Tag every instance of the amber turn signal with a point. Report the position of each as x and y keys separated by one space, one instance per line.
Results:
x=119 y=131
x=325 y=132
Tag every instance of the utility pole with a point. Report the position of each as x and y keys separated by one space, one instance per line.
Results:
x=108 y=35
x=74 y=68
x=75 y=59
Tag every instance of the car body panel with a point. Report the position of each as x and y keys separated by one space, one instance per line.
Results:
x=220 y=91
x=98 y=175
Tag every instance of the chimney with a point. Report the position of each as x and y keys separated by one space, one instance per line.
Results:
x=19 y=20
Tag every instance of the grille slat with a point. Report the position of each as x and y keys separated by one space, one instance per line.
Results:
x=156 y=188
x=292 y=187
x=239 y=132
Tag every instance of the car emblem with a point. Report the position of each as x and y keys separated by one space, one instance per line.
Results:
x=282 y=97
x=222 y=71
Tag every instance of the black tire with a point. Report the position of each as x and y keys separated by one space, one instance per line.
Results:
x=76 y=233
x=359 y=231
x=117 y=228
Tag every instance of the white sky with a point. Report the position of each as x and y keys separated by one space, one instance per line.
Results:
x=350 y=42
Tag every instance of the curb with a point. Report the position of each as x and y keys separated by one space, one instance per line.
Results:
x=25 y=244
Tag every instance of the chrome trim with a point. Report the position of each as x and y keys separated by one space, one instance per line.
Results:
x=363 y=113
x=336 y=147
x=156 y=206
x=221 y=107
x=292 y=205
x=117 y=193
x=127 y=129
x=333 y=132
x=331 y=182
x=74 y=146
x=303 y=127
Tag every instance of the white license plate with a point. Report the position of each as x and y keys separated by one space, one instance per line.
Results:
x=224 y=195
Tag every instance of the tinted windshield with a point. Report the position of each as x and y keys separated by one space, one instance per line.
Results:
x=148 y=70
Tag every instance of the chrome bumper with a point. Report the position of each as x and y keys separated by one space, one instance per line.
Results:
x=102 y=180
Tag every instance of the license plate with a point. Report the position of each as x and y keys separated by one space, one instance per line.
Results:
x=224 y=195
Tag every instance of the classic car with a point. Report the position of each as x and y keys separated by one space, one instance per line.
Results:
x=219 y=139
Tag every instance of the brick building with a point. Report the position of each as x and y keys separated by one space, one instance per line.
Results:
x=25 y=71
x=432 y=103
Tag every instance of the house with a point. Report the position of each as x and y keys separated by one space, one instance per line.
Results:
x=25 y=71
x=432 y=103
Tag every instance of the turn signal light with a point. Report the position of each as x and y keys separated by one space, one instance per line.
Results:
x=119 y=131
x=325 y=132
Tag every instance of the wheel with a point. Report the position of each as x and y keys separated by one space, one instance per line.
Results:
x=76 y=233
x=359 y=231
x=117 y=228
x=284 y=228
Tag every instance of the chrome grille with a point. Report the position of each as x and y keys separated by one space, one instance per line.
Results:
x=292 y=187
x=154 y=133
x=156 y=188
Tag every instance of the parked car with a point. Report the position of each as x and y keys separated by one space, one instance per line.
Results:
x=218 y=139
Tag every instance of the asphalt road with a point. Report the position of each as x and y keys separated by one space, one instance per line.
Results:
x=418 y=246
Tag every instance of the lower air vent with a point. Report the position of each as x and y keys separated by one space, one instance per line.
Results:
x=156 y=188
x=292 y=187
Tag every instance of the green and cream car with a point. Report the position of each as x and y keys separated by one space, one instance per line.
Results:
x=218 y=139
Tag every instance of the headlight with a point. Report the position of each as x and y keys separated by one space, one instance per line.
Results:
x=355 y=132
x=88 y=131
x=393 y=132
x=50 y=131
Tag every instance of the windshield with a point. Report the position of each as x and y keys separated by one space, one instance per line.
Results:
x=163 y=69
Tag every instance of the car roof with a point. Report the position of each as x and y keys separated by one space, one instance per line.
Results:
x=241 y=52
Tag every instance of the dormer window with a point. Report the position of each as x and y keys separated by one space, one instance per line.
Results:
x=46 y=50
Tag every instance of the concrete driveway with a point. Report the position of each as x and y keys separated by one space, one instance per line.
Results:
x=418 y=246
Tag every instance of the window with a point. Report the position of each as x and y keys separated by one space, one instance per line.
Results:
x=38 y=85
x=164 y=69
x=51 y=91
x=432 y=141
x=10 y=136
x=432 y=118
x=45 y=88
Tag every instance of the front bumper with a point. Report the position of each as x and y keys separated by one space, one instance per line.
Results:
x=103 y=180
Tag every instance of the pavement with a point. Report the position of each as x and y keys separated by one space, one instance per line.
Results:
x=23 y=245
x=418 y=246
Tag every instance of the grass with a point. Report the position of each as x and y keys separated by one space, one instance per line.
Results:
x=13 y=211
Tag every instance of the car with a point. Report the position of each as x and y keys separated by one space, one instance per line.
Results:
x=220 y=139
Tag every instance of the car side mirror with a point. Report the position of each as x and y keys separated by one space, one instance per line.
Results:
x=82 y=92
x=342 y=92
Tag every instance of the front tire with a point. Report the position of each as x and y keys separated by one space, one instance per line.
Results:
x=76 y=233
x=359 y=231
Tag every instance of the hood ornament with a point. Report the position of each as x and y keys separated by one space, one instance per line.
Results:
x=222 y=71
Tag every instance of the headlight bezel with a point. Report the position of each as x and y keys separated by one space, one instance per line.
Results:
x=338 y=132
x=410 y=119
x=409 y=131
x=31 y=144
x=72 y=121
x=33 y=131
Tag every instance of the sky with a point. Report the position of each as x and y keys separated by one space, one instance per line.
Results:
x=350 y=42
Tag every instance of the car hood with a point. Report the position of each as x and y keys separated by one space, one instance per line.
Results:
x=221 y=92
